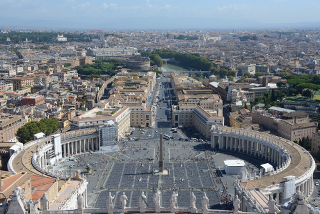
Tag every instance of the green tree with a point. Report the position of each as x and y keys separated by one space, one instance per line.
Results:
x=66 y=65
x=273 y=95
x=47 y=126
x=155 y=59
x=258 y=74
x=247 y=75
x=281 y=85
x=230 y=78
x=307 y=93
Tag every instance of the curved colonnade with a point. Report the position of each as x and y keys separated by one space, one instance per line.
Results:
x=41 y=152
x=290 y=160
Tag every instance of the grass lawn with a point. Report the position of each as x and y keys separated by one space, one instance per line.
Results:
x=316 y=97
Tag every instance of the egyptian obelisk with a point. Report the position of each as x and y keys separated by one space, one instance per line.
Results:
x=160 y=155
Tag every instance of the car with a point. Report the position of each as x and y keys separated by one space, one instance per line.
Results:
x=180 y=138
x=317 y=183
x=137 y=139
x=160 y=118
x=156 y=131
x=186 y=139
x=145 y=148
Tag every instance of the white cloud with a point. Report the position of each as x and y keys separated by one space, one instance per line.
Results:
x=112 y=5
x=233 y=7
x=81 y=6
x=105 y=5
x=84 y=5
x=168 y=6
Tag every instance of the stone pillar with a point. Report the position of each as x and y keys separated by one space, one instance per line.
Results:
x=88 y=145
x=212 y=140
x=242 y=142
x=221 y=142
x=97 y=143
x=80 y=146
x=227 y=142
x=238 y=144
x=76 y=142
x=247 y=143
x=72 y=147
x=42 y=161
x=277 y=198
x=65 y=150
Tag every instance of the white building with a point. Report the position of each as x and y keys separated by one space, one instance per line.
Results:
x=234 y=167
x=61 y=38
x=246 y=68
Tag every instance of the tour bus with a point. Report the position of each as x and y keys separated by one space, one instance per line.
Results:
x=194 y=139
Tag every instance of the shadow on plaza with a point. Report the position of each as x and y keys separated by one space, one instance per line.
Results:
x=163 y=124
x=254 y=160
x=202 y=147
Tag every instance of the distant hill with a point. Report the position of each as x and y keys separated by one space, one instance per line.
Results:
x=149 y=23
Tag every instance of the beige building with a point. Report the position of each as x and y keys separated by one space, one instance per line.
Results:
x=241 y=119
x=315 y=143
x=286 y=123
x=123 y=116
x=196 y=116
x=9 y=125
x=20 y=82
x=183 y=84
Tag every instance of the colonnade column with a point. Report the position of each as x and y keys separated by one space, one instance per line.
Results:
x=72 y=148
x=247 y=146
x=65 y=150
x=76 y=145
x=242 y=142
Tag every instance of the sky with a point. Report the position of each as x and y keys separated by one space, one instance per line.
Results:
x=99 y=11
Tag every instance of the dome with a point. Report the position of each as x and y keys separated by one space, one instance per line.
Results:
x=261 y=45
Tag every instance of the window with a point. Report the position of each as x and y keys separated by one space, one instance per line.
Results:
x=182 y=116
x=186 y=116
x=190 y=115
x=141 y=115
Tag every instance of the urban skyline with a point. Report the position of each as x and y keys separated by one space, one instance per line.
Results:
x=158 y=14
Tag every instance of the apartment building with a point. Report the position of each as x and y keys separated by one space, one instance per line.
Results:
x=20 y=82
x=243 y=68
x=196 y=116
x=9 y=125
x=315 y=143
x=182 y=84
x=123 y=117
x=241 y=119
x=105 y=53
x=32 y=100
x=286 y=123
